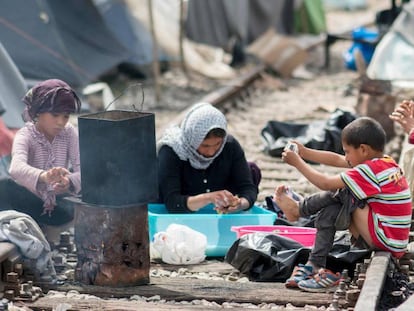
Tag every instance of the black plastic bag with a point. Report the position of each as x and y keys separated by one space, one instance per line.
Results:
x=342 y=256
x=266 y=257
x=320 y=135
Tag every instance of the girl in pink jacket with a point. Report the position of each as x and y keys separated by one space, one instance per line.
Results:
x=45 y=163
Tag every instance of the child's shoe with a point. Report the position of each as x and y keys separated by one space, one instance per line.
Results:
x=325 y=281
x=300 y=273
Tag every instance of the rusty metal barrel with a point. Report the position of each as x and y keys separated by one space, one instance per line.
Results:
x=119 y=178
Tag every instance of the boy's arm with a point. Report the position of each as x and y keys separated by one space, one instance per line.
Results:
x=323 y=157
x=320 y=180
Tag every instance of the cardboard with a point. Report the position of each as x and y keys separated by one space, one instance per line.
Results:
x=279 y=52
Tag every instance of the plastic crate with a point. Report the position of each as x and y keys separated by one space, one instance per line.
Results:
x=216 y=227
x=304 y=235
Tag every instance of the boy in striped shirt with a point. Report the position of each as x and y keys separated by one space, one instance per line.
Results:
x=371 y=199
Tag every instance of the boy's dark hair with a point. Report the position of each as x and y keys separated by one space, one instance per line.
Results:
x=216 y=132
x=365 y=130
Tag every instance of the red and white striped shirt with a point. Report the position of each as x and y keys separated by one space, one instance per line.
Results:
x=386 y=191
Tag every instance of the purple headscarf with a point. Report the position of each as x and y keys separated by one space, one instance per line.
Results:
x=50 y=96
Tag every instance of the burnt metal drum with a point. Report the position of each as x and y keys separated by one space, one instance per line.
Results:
x=118 y=158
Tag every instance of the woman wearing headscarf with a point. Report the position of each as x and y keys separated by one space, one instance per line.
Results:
x=201 y=164
x=45 y=164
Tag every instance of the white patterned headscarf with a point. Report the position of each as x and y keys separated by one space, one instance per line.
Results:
x=186 y=138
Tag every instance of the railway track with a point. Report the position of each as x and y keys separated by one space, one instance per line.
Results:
x=240 y=105
x=363 y=293
x=379 y=270
x=248 y=106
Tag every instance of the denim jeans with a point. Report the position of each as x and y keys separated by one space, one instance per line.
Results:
x=333 y=209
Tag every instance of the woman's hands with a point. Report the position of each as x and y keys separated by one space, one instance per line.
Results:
x=58 y=178
x=404 y=115
x=225 y=202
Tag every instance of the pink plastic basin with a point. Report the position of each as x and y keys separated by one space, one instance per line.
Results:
x=304 y=235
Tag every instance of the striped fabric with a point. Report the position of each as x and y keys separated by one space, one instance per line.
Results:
x=381 y=183
x=32 y=153
x=323 y=281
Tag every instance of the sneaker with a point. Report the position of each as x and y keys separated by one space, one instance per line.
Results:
x=325 y=281
x=300 y=273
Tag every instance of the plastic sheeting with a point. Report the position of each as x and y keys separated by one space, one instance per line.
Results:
x=201 y=58
x=129 y=31
x=68 y=40
x=271 y=258
x=12 y=90
x=321 y=135
x=392 y=59
x=216 y=22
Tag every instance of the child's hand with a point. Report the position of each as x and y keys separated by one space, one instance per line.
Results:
x=290 y=157
x=56 y=173
x=57 y=178
x=301 y=147
x=62 y=186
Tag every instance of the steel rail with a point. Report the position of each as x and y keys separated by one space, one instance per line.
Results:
x=368 y=297
x=374 y=282
x=219 y=97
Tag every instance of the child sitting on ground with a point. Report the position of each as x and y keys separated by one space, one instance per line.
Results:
x=43 y=152
x=371 y=199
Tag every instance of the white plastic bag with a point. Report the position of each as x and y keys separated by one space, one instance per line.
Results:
x=180 y=245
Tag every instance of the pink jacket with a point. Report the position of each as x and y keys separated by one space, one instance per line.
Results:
x=32 y=153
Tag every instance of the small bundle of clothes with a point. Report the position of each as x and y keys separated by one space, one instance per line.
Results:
x=23 y=231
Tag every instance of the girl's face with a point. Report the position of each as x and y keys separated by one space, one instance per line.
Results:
x=50 y=124
x=210 y=146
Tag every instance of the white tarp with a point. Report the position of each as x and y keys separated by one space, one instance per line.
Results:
x=166 y=24
x=393 y=58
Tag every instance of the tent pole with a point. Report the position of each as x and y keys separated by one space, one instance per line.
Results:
x=182 y=55
x=155 y=58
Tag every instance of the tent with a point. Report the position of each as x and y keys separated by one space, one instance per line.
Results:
x=233 y=25
x=12 y=89
x=200 y=58
x=130 y=32
x=393 y=56
x=216 y=22
x=68 y=40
